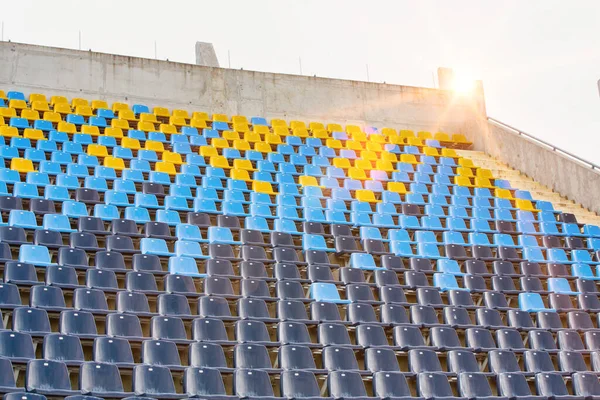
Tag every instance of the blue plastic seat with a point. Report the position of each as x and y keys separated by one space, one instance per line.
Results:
x=74 y=209
x=105 y=172
x=106 y=212
x=57 y=222
x=453 y=237
x=481 y=225
x=526 y=241
x=26 y=190
x=189 y=232
x=583 y=271
x=205 y=206
x=286 y=225
x=532 y=302
x=384 y=221
x=409 y=222
x=177 y=203
x=9 y=176
x=155 y=247
x=36 y=255
x=221 y=235
x=533 y=254
x=558 y=256
x=432 y=223
x=22 y=219
x=591 y=230
x=35 y=155
x=325 y=292
x=560 y=286
x=138 y=214
x=315 y=242
x=362 y=261
x=98 y=184
x=184 y=266
x=8 y=152
x=446 y=282
x=457 y=224
x=132 y=175
x=234 y=208
x=124 y=185
x=185 y=248
x=448 y=266
x=550 y=229
x=56 y=193
x=77 y=170
x=582 y=256
x=117 y=198
x=19 y=123
x=169 y=217
x=401 y=249
x=146 y=200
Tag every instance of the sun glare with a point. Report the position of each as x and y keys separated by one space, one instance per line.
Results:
x=463 y=83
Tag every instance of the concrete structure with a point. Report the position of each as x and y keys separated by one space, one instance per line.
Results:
x=174 y=85
x=206 y=55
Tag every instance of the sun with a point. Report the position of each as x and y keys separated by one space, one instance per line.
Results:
x=463 y=83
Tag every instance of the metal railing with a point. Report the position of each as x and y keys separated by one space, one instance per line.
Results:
x=546 y=144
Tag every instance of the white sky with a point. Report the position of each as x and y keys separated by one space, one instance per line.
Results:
x=539 y=59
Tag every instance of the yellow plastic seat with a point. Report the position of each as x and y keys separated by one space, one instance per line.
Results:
x=525 y=205
x=62 y=108
x=166 y=167
x=118 y=107
x=9 y=131
x=424 y=135
x=320 y=134
x=305 y=180
x=262 y=147
x=114 y=132
x=464 y=171
x=33 y=134
x=343 y=163
x=240 y=127
x=449 y=153
x=8 y=112
x=242 y=163
x=97 y=150
x=154 y=146
x=96 y=104
x=483 y=182
x=17 y=104
x=230 y=135
x=241 y=145
x=352 y=145
x=300 y=132
x=130 y=143
x=363 y=164
x=366 y=196
x=240 y=174
x=181 y=114
x=407 y=133
x=408 y=158
x=252 y=137
x=33 y=97
x=372 y=146
x=200 y=115
x=395 y=139
x=462 y=180
x=114 y=163
x=58 y=99
x=385 y=156
x=376 y=138
x=503 y=193
x=172 y=158
x=359 y=137
x=261 y=129
x=168 y=129
x=147 y=117
x=239 y=119
x=220 y=143
x=273 y=138
x=219 y=162
x=357 y=173
x=279 y=123
x=414 y=141
x=458 y=138
x=335 y=128
x=2 y=121
x=146 y=126
x=198 y=123
x=208 y=151
x=40 y=106
x=90 y=130
x=161 y=112
x=398 y=187
x=127 y=115
x=334 y=144
x=177 y=121
x=466 y=162
x=220 y=118
x=484 y=173
x=263 y=187
x=442 y=137
x=30 y=115
x=2 y=95
x=120 y=123
x=86 y=111
x=52 y=117
x=389 y=132
x=21 y=165
x=384 y=165
x=316 y=126
x=77 y=101
x=281 y=130
x=66 y=127
x=431 y=151
x=297 y=125
x=353 y=129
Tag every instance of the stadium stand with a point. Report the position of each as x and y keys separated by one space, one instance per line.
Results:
x=168 y=254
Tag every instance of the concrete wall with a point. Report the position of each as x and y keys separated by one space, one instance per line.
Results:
x=564 y=175
x=135 y=80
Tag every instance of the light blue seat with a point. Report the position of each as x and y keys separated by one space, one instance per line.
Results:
x=140 y=108
x=59 y=137
x=336 y=217
x=36 y=255
x=138 y=214
x=591 y=230
x=362 y=261
x=185 y=180
x=77 y=170
x=505 y=240
x=582 y=256
x=457 y=224
x=133 y=175
x=43 y=125
x=533 y=254
x=481 y=202
x=584 y=271
x=384 y=221
x=428 y=250
x=105 y=172
x=87 y=160
x=504 y=214
x=140 y=165
x=558 y=256
x=391 y=197
x=427 y=237
x=453 y=237
x=177 y=203
x=532 y=302
x=19 y=123
x=325 y=292
x=169 y=217
x=205 y=206
x=211 y=194
x=261 y=198
x=107 y=141
x=481 y=225
x=56 y=193
x=35 y=155
x=461 y=201
x=372 y=232
x=386 y=208
x=401 y=249
x=261 y=210
x=212 y=182
x=432 y=223
x=217 y=234
x=47 y=146
x=9 y=176
x=8 y=152
x=116 y=198
x=189 y=232
x=550 y=229
x=315 y=242
x=3 y=189
x=286 y=225
x=399 y=235
x=409 y=222
x=106 y=212
x=480 y=239
x=545 y=216
x=147 y=155
x=446 y=282
x=448 y=266
x=528 y=241
x=57 y=222
x=571 y=229
x=146 y=200
x=26 y=190
x=341 y=193
x=560 y=286
x=75 y=119
x=312 y=215
x=92 y=182
x=593 y=243
x=124 y=185
x=100 y=120
x=74 y=209
x=526 y=227
x=155 y=246
x=289 y=213
x=50 y=168
x=22 y=219
x=185 y=248
x=159 y=177
x=182 y=265
x=233 y=208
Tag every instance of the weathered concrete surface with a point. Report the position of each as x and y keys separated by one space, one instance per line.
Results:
x=561 y=173
x=119 y=78
x=206 y=55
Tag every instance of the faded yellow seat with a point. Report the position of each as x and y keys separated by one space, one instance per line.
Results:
x=240 y=174
x=161 y=112
x=366 y=195
x=9 y=131
x=114 y=163
x=97 y=150
x=90 y=130
x=66 y=127
x=168 y=129
x=462 y=180
x=398 y=187
x=114 y=132
x=130 y=143
x=242 y=163
x=166 y=167
x=30 y=115
x=118 y=107
x=219 y=162
x=21 y=165
x=172 y=158
x=120 y=123
x=305 y=180
x=263 y=187
x=52 y=116
x=146 y=126
x=154 y=146
x=220 y=118
x=33 y=134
